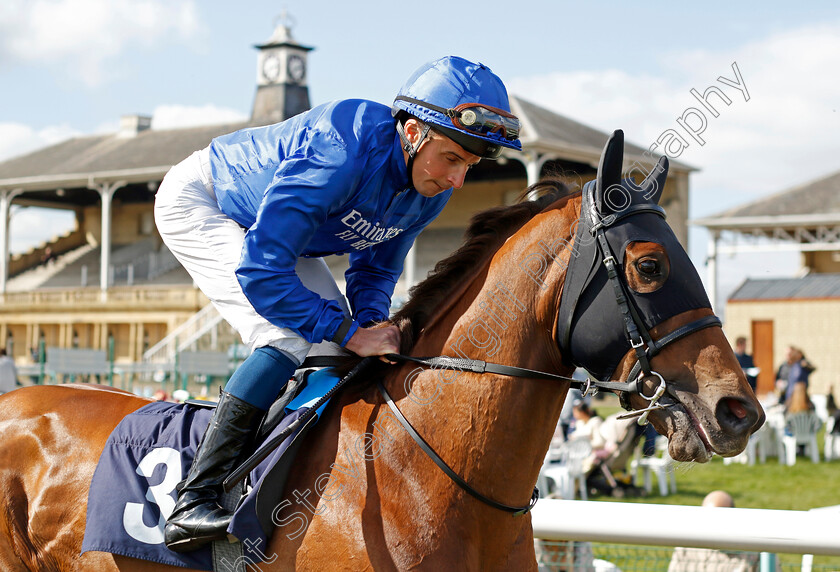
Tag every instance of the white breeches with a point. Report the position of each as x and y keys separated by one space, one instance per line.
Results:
x=209 y=245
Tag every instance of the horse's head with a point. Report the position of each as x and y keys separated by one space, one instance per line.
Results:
x=633 y=307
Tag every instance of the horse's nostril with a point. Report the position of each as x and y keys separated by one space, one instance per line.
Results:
x=734 y=416
x=736 y=408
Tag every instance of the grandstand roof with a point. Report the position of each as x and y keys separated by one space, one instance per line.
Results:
x=148 y=154
x=813 y=203
x=807 y=287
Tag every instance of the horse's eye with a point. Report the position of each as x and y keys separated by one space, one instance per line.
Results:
x=648 y=266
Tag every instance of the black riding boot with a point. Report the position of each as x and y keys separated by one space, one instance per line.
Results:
x=197 y=517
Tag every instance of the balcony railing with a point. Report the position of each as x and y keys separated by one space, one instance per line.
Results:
x=183 y=298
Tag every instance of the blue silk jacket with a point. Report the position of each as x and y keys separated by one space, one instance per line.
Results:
x=332 y=180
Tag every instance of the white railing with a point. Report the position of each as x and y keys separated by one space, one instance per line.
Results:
x=184 y=335
x=760 y=530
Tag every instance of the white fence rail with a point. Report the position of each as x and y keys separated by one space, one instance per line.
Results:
x=760 y=530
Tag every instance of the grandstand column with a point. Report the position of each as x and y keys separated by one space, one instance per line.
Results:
x=411 y=267
x=711 y=268
x=5 y=205
x=534 y=162
x=106 y=192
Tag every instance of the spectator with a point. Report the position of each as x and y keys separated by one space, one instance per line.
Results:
x=36 y=359
x=745 y=360
x=799 y=401
x=649 y=445
x=833 y=411
x=8 y=373
x=567 y=419
x=48 y=256
x=795 y=369
x=587 y=422
x=705 y=559
x=160 y=395
x=800 y=413
x=612 y=448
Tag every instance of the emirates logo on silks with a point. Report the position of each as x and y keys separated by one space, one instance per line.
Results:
x=364 y=233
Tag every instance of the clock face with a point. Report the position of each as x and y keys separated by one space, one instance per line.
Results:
x=271 y=68
x=297 y=68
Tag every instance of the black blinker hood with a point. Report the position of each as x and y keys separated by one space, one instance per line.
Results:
x=591 y=330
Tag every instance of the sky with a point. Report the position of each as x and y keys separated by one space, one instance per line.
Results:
x=73 y=67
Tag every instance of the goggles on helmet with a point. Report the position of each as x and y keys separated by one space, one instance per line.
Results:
x=476 y=118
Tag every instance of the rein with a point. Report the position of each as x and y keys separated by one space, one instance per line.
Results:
x=515 y=510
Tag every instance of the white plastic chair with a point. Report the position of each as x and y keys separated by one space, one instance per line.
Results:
x=567 y=473
x=803 y=428
x=661 y=465
x=761 y=442
x=552 y=456
x=832 y=443
x=776 y=423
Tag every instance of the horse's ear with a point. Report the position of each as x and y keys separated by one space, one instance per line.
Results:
x=654 y=183
x=609 y=168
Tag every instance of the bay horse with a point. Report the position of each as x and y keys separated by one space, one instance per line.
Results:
x=363 y=494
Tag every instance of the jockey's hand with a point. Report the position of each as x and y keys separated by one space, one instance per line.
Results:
x=376 y=341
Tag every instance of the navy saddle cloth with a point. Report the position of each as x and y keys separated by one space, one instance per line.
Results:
x=149 y=453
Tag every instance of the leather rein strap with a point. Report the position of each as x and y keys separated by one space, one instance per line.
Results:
x=515 y=510
x=479 y=366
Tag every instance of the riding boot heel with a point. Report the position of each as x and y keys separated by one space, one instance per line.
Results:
x=197 y=517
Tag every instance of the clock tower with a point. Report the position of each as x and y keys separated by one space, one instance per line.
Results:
x=281 y=76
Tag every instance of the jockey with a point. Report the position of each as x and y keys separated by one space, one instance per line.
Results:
x=251 y=215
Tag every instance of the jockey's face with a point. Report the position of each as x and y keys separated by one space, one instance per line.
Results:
x=440 y=163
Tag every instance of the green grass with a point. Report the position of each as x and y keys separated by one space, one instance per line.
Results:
x=769 y=485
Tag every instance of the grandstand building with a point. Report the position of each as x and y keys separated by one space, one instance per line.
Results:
x=111 y=284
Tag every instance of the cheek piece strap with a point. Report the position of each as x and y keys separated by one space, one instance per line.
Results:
x=412 y=149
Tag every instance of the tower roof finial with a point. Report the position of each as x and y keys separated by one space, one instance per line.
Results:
x=283 y=25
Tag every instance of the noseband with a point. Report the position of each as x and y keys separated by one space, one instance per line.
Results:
x=643 y=344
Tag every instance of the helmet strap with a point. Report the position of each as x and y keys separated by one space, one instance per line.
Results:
x=412 y=149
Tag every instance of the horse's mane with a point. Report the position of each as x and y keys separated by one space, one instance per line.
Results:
x=486 y=233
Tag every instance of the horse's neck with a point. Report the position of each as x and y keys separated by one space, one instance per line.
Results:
x=499 y=428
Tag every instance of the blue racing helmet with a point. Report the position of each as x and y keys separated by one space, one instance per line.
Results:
x=465 y=101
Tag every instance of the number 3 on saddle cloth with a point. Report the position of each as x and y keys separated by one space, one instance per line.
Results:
x=133 y=490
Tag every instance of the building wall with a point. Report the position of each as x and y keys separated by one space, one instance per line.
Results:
x=809 y=324
x=129 y=223
x=136 y=318
x=475 y=197
x=824 y=262
x=675 y=202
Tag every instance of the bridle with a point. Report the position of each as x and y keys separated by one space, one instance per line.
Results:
x=642 y=343
x=635 y=330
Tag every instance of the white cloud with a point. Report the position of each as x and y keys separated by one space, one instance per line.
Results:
x=785 y=135
x=85 y=35
x=18 y=139
x=31 y=227
x=178 y=116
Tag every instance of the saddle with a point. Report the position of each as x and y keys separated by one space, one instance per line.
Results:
x=149 y=453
